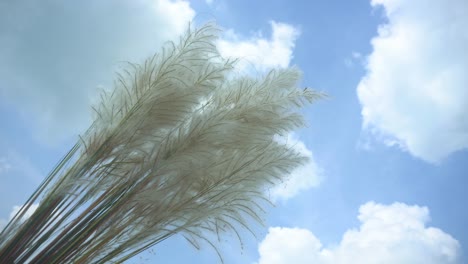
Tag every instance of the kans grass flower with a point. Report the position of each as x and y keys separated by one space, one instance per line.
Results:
x=182 y=145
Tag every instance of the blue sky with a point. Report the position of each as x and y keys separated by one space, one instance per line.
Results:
x=388 y=148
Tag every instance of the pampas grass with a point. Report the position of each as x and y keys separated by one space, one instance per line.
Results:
x=181 y=146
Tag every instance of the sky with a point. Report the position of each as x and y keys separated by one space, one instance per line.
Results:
x=387 y=176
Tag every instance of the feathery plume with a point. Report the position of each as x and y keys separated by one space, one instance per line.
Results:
x=180 y=146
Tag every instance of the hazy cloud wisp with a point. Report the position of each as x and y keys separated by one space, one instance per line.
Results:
x=55 y=54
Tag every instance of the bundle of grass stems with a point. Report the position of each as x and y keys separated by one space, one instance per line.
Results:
x=184 y=145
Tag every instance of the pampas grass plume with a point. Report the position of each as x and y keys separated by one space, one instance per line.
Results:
x=182 y=145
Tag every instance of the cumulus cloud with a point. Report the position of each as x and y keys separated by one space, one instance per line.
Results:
x=259 y=52
x=302 y=178
x=415 y=91
x=14 y=211
x=28 y=213
x=54 y=54
x=395 y=233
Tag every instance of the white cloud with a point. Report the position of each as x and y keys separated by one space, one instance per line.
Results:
x=28 y=213
x=261 y=53
x=14 y=211
x=301 y=179
x=55 y=54
x=388 y=234
x=415 y=91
